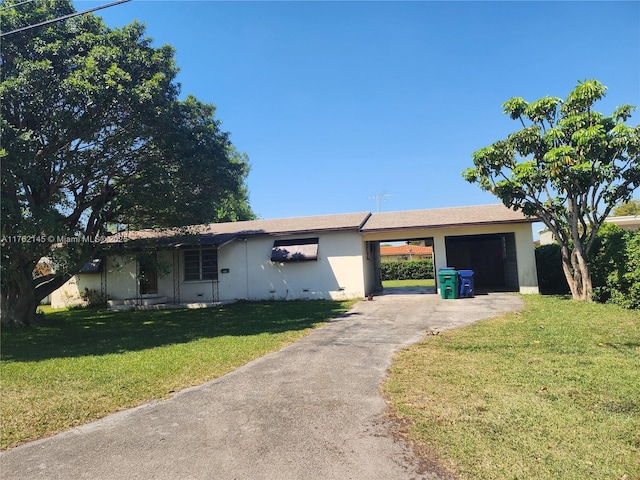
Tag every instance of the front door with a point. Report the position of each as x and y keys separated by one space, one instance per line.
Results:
x=148 y=277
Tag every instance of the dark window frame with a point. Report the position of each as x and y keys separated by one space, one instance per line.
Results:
x=201 y=266
x=295 y=250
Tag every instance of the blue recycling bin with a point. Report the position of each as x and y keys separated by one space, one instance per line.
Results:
x=465 y=281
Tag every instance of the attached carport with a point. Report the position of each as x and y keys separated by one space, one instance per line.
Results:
x=492 y=240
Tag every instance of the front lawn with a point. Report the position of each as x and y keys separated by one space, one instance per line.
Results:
x=550 y=393
x=427 y=282
x=80 y=365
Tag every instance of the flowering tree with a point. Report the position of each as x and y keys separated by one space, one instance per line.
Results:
x=569 y=166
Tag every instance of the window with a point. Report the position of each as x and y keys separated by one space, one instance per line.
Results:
x=201 y=264
x=299 y=250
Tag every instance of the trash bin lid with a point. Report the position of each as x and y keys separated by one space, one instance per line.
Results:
x=466 y=273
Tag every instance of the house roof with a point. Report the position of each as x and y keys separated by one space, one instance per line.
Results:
x=444 y=217
x=217 y=234
x=405 y=250
x=630 y=222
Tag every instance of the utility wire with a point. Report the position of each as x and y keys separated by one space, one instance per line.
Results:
x=65 y=17
x=4 y=7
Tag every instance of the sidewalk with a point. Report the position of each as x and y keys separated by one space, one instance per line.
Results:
x=309 y=411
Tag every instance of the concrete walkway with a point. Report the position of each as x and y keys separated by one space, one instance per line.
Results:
x=310 y=411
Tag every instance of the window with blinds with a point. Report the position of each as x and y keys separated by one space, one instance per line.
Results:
x=201 y=264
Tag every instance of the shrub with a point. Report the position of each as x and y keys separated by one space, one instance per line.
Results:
x=407 y=270
x=91 y=298
x=615 y=267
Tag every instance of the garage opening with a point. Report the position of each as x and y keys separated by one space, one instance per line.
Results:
x=492 y=257
x=407 y=266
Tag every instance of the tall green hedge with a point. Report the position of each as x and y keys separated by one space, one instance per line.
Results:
x=407 y=270
x=614 y=265
x=551 y=279
x=615 y=268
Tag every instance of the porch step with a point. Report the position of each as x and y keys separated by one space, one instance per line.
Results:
x=153 y=300
x=120 y=306
x=153 y=304
x=136 y=303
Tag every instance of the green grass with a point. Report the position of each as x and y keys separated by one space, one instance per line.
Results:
x=79 y=365
x=409 y=283
x=552 y=392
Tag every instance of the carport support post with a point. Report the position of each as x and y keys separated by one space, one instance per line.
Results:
x=439 y=258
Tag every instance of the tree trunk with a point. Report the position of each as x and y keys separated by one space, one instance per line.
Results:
x=19 y=302
x=576 y=271
x=21 y=295
x=582 y=268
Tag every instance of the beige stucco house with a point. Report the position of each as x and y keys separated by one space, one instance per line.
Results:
x=317 y=257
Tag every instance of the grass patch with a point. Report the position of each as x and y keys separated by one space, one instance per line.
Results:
x=427 y=282
x=79 y=365
x=551 y=392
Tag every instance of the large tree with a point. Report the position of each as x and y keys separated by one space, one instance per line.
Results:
x=95 y=135
x=569 y=166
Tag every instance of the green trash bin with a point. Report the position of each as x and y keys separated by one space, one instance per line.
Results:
x=448 y=278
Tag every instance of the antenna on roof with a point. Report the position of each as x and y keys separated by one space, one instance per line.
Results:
x=379 y=198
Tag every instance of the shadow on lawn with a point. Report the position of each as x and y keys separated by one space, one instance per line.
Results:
x=99 y=332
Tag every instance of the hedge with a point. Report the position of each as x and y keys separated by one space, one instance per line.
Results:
x=407 y=270
x=614 y=265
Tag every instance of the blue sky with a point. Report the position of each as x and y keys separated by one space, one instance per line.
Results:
x=338 y=102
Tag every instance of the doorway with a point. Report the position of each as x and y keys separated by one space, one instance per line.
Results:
x=407 y=266
x=148 y=276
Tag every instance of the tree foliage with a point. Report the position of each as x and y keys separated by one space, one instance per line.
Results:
x=95 y=135
x=630 y=208
x=569 y=166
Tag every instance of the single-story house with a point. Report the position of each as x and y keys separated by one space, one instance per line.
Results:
x=397 y=253
x=317 y=257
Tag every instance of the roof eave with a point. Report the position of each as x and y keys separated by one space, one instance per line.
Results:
x=450 y=225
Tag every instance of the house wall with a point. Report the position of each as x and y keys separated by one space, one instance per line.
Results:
x=348 y=266
x=525 y=255
x=68 y=295
x=171 y=283
x=117 y=280
x=372 y=274
x=167 y=264
x=121 y=277
x=337 y=274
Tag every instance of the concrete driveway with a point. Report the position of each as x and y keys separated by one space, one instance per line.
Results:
x=310 y=411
